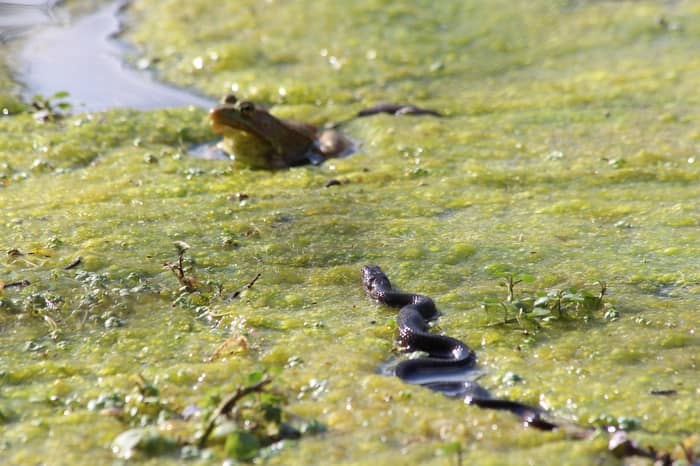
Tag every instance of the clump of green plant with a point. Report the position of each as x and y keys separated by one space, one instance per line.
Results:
x=611 y=423
x=248 y=423
x=51 y=108
x=622 y=445
x=143 y=407
x=34 y=304
x=201 y=296
x=106 y=300
x=257 y=425
x=192 y=292
x=547 y=305
x=97 y=298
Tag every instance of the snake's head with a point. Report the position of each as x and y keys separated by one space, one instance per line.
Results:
x=374 y=281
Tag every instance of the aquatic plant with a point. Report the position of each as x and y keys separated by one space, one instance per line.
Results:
x=51 y=108
x=188 y=283
x=201 y=296
x=96 y=298
x=547 y=305
x=452 y=449
x=249 y=422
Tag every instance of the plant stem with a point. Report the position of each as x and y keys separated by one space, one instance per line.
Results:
x=227 y=405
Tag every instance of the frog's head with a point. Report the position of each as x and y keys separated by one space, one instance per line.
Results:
x=255 y=137
x=232 y=117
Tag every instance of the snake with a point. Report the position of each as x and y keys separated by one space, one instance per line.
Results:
x=448 y=359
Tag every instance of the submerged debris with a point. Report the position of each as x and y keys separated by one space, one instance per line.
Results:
x=73 y=264
x=621 y=445
x=397 y=110
x=145 y=440
x=247 y=286
x=17 y=284
x=664 y=392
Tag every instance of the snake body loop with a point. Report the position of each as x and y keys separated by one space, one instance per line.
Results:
x=449 y=360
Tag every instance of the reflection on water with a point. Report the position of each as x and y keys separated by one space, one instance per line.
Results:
x=17 y=17
x=208 y=151
x=83 y=59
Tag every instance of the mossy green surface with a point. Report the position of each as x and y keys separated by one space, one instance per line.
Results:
x=569 y=152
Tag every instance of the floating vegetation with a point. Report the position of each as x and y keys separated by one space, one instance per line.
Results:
x=97 y=298
x=51 y=108
x=201 y=296
x=513 y=174
x=547 y=305
x=249 y=422
x=32 y=305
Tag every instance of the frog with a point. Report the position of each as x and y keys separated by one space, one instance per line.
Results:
x=255 y=138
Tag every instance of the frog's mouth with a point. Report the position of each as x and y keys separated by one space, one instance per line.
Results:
x=225 y=129
x=240 y=137
x=221 y=119
x=228 y=121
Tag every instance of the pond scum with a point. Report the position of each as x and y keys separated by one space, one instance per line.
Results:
x=552 y=216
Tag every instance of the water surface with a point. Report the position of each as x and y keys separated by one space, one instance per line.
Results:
x=83 y=57
x=18 y=17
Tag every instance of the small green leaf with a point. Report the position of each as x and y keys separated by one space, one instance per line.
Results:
x=255 y=377
x=592 y=303
x=611 y=314
x=419 y=172
x=150 y=390
x=519 y=306
x=512 y=307
x=574 y=298
x=242 y=445
x=60 y=95
x=147 y=441
x=628 y=423
x=511 y=378
x=451 y=448
x=272 y=412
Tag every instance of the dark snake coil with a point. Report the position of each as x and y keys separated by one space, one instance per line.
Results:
x=449 y=359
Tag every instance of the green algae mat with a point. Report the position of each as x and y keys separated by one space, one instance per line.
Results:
x=552 y=215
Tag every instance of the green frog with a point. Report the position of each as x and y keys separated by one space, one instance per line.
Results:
x=257 y=139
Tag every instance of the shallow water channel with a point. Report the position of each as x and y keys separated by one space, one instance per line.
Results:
x=83 y=57
x=17 y=17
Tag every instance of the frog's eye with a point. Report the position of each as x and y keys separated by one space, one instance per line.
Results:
x=229 y=99
x=246 y=106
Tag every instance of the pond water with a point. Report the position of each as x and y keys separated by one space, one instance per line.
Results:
x=567 y=157
x=83 y=58
x=17 y=17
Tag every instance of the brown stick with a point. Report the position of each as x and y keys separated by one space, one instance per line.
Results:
x=246 y=287
x=227 y=405
x=19 y=284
